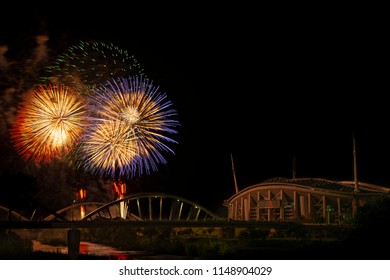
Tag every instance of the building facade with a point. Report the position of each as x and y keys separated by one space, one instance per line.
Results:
x=306 y=199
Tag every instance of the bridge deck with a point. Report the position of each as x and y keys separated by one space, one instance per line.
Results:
x=141 y=224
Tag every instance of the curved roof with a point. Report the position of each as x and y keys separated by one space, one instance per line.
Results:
x=318 y=185
x=341 y=186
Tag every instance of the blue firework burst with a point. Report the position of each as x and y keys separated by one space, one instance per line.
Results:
x=130 y=128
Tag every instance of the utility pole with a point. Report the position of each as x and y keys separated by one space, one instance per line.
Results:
x=355 y=202
x=356 y=184
x=294 y=168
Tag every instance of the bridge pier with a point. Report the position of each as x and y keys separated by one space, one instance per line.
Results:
x=73 y=243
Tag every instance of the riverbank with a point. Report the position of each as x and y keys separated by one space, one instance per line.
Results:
x=89 y=250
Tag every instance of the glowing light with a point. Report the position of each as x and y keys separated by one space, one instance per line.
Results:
x=120 y=188
x=82 y=212
x=49 y=121
x=129 y=128
x=82 y=194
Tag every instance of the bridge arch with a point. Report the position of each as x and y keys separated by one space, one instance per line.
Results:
x=75 y=211
x=8 y=214
x=152 y=207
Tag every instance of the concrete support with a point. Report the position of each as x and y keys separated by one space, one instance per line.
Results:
x=73 y=243
x=338 y=211
x=303 y=205
x=324 y=206
x=295 y=205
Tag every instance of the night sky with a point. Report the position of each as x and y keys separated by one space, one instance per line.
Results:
x=264 y=86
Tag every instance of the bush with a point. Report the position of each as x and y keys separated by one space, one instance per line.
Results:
x=14 y=247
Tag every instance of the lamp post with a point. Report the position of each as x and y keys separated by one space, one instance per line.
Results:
x=73 y=202
x=73 y=238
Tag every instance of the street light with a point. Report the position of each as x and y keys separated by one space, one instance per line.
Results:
x=73 y=202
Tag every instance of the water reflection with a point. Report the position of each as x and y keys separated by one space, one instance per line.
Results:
x=89 y=248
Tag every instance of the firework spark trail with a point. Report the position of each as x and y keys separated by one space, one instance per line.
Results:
x=129 y=129
x=85 y=65
x=106 y=147
x=49 y=121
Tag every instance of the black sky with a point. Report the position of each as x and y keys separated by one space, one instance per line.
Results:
x=263 y=85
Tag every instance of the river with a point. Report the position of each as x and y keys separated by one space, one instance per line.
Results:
x=89 y=248
x=100 y=250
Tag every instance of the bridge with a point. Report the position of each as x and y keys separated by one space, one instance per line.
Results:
x=140 y=210
x=136 y=208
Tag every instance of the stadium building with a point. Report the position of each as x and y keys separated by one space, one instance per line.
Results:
x=307 y=199
x=310 y=200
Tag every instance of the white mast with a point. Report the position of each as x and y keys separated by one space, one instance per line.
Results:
x=234 y=173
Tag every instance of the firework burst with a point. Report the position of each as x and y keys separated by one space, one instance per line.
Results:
x=130 y=128
x=87 y=64
x=49 y=121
